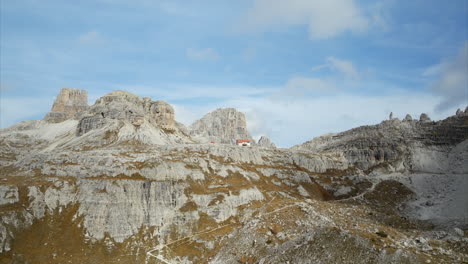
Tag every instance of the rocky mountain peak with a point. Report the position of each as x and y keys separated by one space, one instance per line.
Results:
x=130 y=108
x=424 y=118
x=69 y=104
x=127 y=190
x=265 y=142
x=222 y=125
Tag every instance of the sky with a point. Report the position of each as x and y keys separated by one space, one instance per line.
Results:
x=298 y=68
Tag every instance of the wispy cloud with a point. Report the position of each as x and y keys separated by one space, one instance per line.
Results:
x=319 y=67
x=344 y=66
x=324 y=18
x=207 y=54
x=451 y=79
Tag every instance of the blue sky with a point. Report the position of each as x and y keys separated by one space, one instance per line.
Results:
x=297 y=68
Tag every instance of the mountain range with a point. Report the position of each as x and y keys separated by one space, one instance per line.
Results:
x=121 y=181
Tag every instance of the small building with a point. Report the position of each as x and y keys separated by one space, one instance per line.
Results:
x=243 y=142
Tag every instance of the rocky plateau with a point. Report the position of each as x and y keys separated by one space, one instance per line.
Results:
x=121 y=181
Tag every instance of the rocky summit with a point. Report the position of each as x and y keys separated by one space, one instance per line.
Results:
x=222 y=125
x=122 y=181
x=68 y=105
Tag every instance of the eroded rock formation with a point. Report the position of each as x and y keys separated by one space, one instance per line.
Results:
x=124 y=106
x=69 y=104
x=222 y=126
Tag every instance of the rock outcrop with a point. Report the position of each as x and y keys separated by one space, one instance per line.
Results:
x=221 y=126
x=424 y=118
x=408 y=118
x=265 y=142
x=124 y=106
x=395 y=143
x=69 y=104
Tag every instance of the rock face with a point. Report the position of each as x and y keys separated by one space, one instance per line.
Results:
x=69 y=104
x=265 y=142
x=397 y=143
x=124 y=106
x=222 y=126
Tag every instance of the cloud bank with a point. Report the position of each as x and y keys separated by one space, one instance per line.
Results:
x=451 y=80
x=324 y=18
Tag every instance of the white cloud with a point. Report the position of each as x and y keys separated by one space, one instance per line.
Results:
x=91 y=38
x=324 y=18
x=319 y=67
x=203 y=54
x=345 y=67
x=451 y=80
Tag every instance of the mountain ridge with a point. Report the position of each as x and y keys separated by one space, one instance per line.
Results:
x=133 y=187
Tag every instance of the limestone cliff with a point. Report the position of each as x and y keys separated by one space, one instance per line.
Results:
x=69 y=104
x=222 y=126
